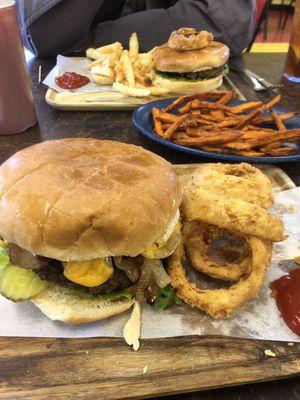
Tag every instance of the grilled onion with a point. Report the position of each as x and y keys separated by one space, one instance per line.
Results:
x=129 y=266
x=162 y=279
x=145 y=279
x=163 y=250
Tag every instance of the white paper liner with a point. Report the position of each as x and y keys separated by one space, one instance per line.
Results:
x=258 y=319
x=68 y=64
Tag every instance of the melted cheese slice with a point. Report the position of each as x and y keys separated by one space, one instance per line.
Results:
x=88 y=273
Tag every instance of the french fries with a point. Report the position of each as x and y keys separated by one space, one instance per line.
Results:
x=128 y=68
x=208 y=122
x=133 y=47
x=131 y=91
x=128 y=71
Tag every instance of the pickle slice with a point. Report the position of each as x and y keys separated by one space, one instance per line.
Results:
x=4 y=258
x=18 y=284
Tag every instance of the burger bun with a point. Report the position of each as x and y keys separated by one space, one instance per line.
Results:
x=184 y=86
x=62 y=304
x=213 y=56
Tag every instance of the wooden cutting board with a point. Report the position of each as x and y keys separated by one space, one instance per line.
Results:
x=92 y=369
x=106 y=368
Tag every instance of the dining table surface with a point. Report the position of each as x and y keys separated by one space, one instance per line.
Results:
x=117 y=125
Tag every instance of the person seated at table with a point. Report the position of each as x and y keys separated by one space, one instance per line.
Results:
x=51 y=27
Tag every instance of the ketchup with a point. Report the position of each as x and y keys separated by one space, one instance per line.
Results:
x=71 y=80
x=286 y=291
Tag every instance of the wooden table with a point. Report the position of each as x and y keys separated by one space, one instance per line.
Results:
x=107 y=368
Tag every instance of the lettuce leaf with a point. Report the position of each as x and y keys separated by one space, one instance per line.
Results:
x=167 y=298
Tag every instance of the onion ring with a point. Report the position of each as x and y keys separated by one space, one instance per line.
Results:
x=189 y=39
x=240 y=181
x=232 y=214
x=196 y=250
x=219 y=303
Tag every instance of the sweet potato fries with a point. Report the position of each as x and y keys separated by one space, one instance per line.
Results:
x=208 y=122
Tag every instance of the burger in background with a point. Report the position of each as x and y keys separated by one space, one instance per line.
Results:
x=190 y=62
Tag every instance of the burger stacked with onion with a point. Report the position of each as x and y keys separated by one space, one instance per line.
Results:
x=191 y=61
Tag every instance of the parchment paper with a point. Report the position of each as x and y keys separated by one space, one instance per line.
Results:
x=259 y=319
x=68 y=64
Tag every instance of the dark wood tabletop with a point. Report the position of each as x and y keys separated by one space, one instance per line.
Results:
x=117 y=125
x=43 y=368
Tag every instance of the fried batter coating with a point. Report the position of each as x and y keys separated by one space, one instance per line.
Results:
x=239 y=181
x=220 y=303
x=230 y=262
x=189 y=39
x=232 y=214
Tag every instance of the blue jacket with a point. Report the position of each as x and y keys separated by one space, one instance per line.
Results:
x=49 y=27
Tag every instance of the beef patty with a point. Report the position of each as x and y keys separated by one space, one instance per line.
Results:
x=52 y=270
x=193 y=76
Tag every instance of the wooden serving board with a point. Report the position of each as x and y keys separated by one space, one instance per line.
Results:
x=95 y=101
x=102 y=101
x=106 y=368
x=92 y=369
x=105 y=101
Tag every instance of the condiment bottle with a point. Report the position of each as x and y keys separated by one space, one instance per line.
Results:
x=17 y=111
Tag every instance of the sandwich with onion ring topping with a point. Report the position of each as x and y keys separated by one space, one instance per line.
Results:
x=191 y=61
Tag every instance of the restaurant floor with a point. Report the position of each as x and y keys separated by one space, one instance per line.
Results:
x=277 y=38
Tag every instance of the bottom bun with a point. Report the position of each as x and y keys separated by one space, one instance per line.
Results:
x=182 y=87
x=62 y=304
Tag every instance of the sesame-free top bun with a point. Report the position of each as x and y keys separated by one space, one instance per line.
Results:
x=168 y=60
x=80 y=199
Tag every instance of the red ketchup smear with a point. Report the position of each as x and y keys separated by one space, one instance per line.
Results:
x=71 y=80
x=286 y=291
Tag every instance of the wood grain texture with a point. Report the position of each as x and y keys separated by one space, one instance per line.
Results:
x=106 y=369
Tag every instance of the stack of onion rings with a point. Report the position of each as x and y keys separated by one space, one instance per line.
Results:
x=225 y=200
x=196 y=250
x=232 y=214
x=239 y=181
x=219 y=303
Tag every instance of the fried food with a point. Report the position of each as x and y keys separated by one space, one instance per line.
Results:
x=219 y=303
x=104 y=71
x=131 y=91
x=128 y=71
x=119 y=72
x=212 y=124
x=157 y=91
x=232 y=214
x=133 y=47
x=102 y=80
x=189 y=39
x=215 y=251
x=239 y=181
x=218 y=138
x=157 y=123
x=128 y=68
x=104 y=60
x=110 y=48
x=172 y=128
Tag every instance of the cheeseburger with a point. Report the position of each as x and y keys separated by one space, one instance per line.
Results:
x=79 y=220
x=190 y=62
